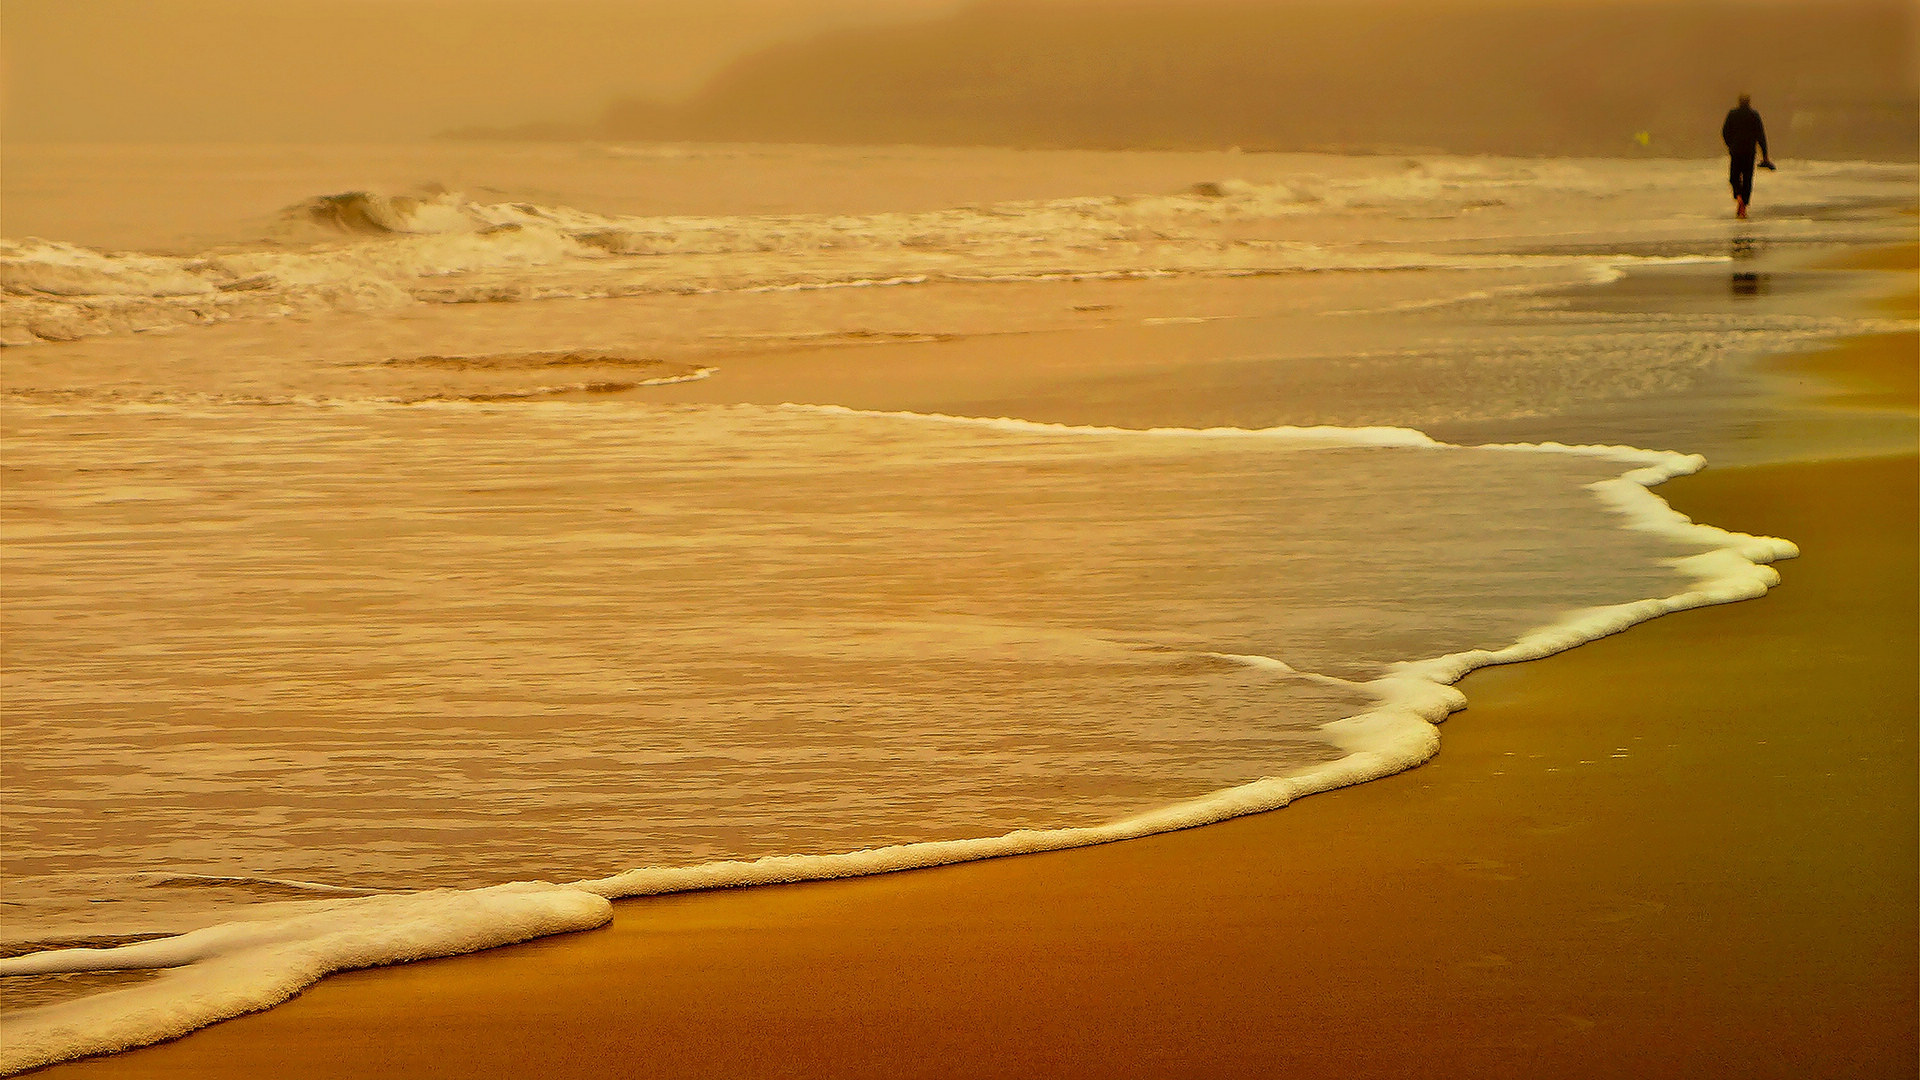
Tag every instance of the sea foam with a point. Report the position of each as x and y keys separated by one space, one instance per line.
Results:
x=224 y=971
x=375 y=251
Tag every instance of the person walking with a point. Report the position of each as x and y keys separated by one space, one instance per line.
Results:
x=1742 y=132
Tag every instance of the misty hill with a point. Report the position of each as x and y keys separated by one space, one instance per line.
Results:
x=1834 y=78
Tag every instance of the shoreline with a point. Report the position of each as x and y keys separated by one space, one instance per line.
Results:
x=1531 y=902
x=681 y=930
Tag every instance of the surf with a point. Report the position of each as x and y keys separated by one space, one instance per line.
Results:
x=226 y=969
x=369 y=250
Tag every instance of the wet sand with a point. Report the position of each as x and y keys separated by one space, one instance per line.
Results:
x=1876 y=372
x=1688 y=850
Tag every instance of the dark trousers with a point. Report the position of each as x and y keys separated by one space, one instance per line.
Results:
x=1740 y=173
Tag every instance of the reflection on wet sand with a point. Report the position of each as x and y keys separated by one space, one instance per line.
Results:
x=1746 y=282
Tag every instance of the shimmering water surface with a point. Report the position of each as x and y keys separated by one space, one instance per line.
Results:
x=378 y=536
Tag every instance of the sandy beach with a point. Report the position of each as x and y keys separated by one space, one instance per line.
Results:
x=1686 y=850
x=958 y=538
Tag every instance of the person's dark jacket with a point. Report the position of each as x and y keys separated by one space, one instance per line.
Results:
x=1742 y=132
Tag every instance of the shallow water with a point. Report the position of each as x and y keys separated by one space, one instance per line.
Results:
x=397 y=647
x=336 y=582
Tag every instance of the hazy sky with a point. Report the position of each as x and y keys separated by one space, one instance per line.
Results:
x=325 y=70
x=384 y=70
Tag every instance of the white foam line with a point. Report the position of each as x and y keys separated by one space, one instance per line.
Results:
x=227 y=970
x=1325 y=435
x=842 y=283
x=1734 y=567
x=1284 y=669
x=1395 y=735
x=1667 y=463
x=224 y=971
x=692 y=376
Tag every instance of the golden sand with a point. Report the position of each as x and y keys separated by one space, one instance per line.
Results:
x=1878 y=371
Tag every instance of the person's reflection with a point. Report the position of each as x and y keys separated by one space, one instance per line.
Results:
x=1746 y=282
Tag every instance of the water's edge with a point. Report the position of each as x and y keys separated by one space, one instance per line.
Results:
x=223 y=971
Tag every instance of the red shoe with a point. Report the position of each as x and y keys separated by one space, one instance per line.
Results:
x=1740 y=208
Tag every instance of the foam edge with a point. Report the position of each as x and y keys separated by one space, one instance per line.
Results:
x=1322 y=435
x=225 y=971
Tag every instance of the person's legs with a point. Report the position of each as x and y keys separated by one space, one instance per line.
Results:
x=1740 y=175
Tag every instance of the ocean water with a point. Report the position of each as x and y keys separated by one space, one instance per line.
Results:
x=407 y=550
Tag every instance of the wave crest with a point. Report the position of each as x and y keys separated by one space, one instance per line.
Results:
x=370 y=213
x=365 y=249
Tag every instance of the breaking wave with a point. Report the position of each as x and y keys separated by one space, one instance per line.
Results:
x=371 y=251
x=373 y=213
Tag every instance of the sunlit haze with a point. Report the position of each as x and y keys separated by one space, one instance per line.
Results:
x=1462 y=75
x=304 y=70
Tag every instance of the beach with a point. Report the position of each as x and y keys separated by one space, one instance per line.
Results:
x=1684 y=850
x=898 y=538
